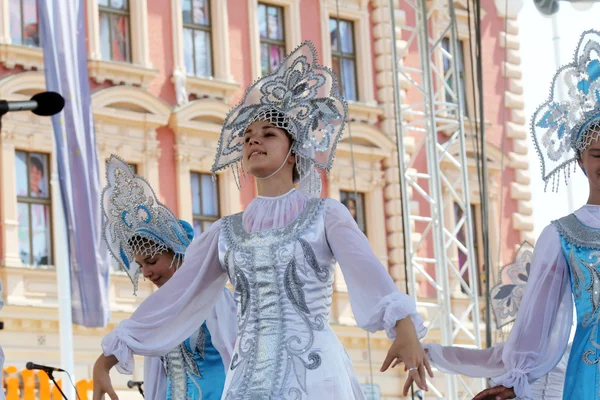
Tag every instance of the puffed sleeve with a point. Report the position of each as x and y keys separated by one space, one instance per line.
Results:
x=222 y=325
x=540 y=336
x=375 y=300
x=163 y=320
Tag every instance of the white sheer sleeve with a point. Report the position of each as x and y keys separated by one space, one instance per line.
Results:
x=163 y=320
x=155 y=379
x=539 y=338
x=222 y=325
x=376 y=301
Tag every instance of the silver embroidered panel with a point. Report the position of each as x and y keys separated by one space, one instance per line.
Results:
x=583 y=257
x=280 y=283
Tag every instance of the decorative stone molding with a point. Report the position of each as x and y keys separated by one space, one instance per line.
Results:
x=380 y=18
x=121 y=73
x=126 y=120
x=197 y=126
x=516 y=130
x=140 y=71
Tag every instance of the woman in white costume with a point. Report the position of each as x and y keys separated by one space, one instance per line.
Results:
x=565 y=268
x=279 y=255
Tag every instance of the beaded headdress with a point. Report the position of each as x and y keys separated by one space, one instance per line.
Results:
x=136 y=223
x=562 y=128
x=301 y=97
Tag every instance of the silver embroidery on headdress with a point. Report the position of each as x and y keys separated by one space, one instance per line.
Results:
x=136 y=223
x=562 y=129
x=301 y=97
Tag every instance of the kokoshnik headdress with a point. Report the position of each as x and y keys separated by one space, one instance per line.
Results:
x=136 y=223
x=301 y=97
x=562 y=129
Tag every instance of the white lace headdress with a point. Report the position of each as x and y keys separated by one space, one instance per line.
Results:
x=301 y=97
x=136 y=223
x=563 y=129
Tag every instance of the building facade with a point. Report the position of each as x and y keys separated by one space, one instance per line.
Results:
x=164 y=74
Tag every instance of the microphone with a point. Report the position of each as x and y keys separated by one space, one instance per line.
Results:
x=43 y=104
x=132 y=384
x=31 y=366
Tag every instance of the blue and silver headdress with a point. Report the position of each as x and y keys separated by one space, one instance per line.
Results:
x=301 y=97
x=562 y=128
x=136 y=223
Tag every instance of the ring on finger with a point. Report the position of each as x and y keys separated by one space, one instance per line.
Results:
x=412 y=369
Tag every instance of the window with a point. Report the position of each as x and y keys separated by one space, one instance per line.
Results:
x=272 y=37
x=33 y=208
x=343 y=56
x=451 y=94
x=115 y=43
x=356 y=206
x=205 y=201
x=24 y=23
x=462 y=257
x=197 y=42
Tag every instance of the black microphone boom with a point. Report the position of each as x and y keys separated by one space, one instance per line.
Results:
x=43 y=104
x=132 y=384
x=31 y=366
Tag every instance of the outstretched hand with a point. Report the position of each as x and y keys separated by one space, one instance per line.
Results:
x=496 y=393
x=408 y=350
x=101 y=378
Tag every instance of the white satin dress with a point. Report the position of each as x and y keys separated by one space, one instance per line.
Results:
x=280 y=256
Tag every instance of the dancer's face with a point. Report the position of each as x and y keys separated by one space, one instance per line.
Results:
x=265 y=150
x=158 y=268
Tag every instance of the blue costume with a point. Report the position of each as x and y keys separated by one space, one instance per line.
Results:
x=136 y=223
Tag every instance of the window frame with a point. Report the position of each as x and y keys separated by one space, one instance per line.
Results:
x=203 y=217
x=268 y=41
x=361 y=205
x=291 y=28
x=39 y=201
x=110 y=11
x=339 y=54
x=366 y=105
x=462 y=74
x=205 y=28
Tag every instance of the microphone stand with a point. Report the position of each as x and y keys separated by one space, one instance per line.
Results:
x=141 y=391
x=51 y=376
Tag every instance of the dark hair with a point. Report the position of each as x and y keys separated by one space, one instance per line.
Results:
x=295 y=173
x=35 y=162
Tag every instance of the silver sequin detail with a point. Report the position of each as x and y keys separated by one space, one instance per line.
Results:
x=293 y=288
x=267 y=358
x=311 y=259
x=580 y=236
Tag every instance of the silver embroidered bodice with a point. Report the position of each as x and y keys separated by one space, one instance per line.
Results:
x=283 y=285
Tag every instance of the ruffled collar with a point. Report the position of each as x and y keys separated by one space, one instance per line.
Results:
x=273 y=212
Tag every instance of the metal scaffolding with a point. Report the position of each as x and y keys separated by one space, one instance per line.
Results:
x=438 y=245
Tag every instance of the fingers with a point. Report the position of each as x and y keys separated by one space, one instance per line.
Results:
x=418 y=376
x=506 y=394
x=490 y=393
x=428 y=366
x=407 y=385
x=386 y=363
x=112 y=394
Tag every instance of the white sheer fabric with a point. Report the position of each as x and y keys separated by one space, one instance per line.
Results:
x=273 y=212
x=540 y=336
x=163 y=320
x=221 y=324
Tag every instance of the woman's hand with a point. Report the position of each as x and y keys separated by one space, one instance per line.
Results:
x=101 y=378
x=407 y=349
x=496 y=393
